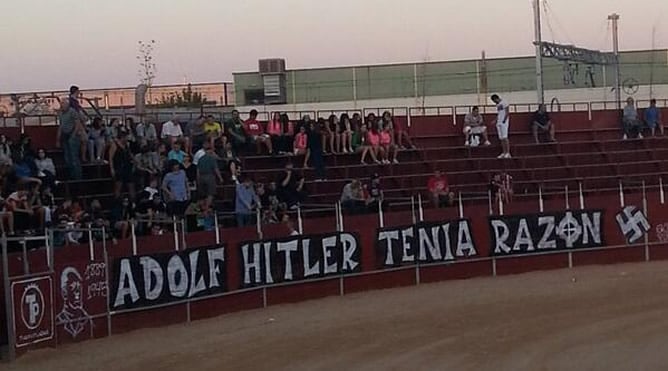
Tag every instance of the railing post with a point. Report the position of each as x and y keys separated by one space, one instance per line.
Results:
x=461 y=206
x=645 y=211
x=568 y=203
x=621 y=194
x=300 y=222
x=500 y=203
x=381 y=217
x=133 y=235
x=184 y=244
x=420 y=209
x=582 y=199
x=91 y=246
x=541 y=206
x=662 y=195
x=176 y=233
x=489 y=199
x=11 y=336
x=258 y=223
x=413 y=209
x=215 y=223
x=336 y=213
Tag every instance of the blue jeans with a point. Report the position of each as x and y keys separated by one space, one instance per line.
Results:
x=244 y=220
x=71 y=148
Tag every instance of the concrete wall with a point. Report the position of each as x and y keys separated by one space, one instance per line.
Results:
x=433 y=81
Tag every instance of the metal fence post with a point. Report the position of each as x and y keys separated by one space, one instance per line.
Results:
x=381 y=217
x=91 y=246
x=541 y=206
x=258 y=223
x=11 y=336
x=217 y=228
x=300 y=222
x=133 y=236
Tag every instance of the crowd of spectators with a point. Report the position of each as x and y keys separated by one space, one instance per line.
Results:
x=175 y=169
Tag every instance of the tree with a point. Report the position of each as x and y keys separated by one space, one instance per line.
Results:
x=147 y=68
x=185 y=98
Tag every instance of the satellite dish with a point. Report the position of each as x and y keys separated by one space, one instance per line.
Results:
x=630 y=86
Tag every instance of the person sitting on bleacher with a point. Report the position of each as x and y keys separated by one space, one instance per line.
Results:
x=353 y=199
x=439 y=190
x=236 y=132
x=146 y=133
x=290 y=188
x=541 y=121
x=171 y=131
x=653 y=117
x=399 y=131
x=255 y=134
x=361 y=145
x=474 y=125
x=346 y=133
x=631 y=123
x=46 y=169
x=5 y=150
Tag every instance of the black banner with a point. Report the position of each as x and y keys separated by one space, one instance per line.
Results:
x=299 y=258
x=425 y=242
x=142 y=281
x=526 y=234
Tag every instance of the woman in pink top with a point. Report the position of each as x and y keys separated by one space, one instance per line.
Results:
x=399 y=130
x=301 y=140
x=387 y=144
x=274 y=131
x=373 y=140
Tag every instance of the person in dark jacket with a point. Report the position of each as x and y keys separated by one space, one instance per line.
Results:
x=314 y=151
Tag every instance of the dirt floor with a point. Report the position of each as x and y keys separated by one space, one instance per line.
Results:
x=593 y=318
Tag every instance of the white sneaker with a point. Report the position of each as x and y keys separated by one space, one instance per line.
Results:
x=487 y=143
x=395 y=161
x=625 y=137
x=508 y=155
x=466 y=144
x=503 y=155
x=640 y=136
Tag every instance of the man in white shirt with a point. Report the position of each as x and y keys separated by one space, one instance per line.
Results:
x=171 y=131
x=474 y=126
x=502 y=124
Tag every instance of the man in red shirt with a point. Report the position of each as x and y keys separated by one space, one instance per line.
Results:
x=439 y=190
x=255 y=133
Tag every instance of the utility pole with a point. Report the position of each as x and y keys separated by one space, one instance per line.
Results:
x=539 y=55
x=614 y=18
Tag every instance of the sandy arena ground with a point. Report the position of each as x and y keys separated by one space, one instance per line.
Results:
x=609 y=318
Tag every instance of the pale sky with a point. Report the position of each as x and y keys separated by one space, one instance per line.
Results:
x=51 y=44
